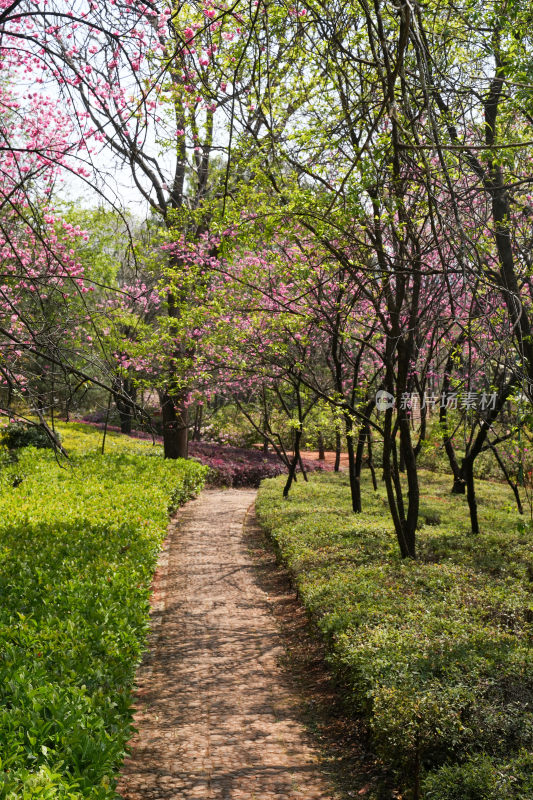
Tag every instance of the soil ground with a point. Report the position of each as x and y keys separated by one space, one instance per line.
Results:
x=312 y=455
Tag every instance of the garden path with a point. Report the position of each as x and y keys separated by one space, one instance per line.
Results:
x=217 y=714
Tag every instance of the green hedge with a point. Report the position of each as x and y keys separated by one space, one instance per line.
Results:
x=435 y=652
x=78 y=547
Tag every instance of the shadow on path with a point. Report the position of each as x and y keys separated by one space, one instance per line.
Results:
x=226 y=701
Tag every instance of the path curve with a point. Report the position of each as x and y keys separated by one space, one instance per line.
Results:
x=217 y=717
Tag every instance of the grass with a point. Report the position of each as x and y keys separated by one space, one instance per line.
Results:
x=436 y=653
x=78 y=547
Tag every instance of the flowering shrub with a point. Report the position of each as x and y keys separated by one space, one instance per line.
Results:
x=239 y=466
x=226 y=471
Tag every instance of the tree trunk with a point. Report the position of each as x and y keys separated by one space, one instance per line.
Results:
x=413 y=491
x=197 y=429
x=468 y=472
x=371 y=460
x=337 y=451
x=302 y=468
x=514 y=486
x=355 y=485
x=361 y=439
x=294 y=463
x=175 y=430
x=392 y=485
x=404 y=524
x=321 y=453
x=422 y=431
x=125 y=395
x=125 y=422
x=459 y=486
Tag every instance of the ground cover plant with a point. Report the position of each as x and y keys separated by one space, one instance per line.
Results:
x=78 y=547
x=237 y=466
x=435 y=652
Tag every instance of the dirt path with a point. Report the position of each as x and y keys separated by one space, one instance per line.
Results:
x=217 y=716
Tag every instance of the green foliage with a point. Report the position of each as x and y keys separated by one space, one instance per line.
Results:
x=78 y=547
x=104 y=250
x=482 y=778
x=22 y=434
x=323 y=422
x=228 y=426
x=435 y=652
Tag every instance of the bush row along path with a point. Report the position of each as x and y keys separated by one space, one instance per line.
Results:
x=218 y=716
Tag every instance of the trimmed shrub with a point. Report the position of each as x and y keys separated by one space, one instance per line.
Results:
x=434 y=652
x=78 y=548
